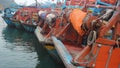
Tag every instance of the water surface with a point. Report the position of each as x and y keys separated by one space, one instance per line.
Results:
x=20 y=49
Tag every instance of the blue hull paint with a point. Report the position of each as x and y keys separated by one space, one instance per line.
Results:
x=18 y=25
x=8 y=22
x=29 y=28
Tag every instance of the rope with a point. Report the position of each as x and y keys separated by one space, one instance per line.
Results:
x=89 y=43
x=91 y=37
x=90 y=54
x=61 y=21
x=109 y=11
x=99 y=45
x=95 y=56
x=104 y=15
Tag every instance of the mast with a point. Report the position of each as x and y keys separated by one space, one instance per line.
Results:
x=36 y=2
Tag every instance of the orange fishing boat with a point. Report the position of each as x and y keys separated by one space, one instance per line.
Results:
x=27 y=18
x=70 y=35
x=45 y=32
x=46 y=25
x=100 y=51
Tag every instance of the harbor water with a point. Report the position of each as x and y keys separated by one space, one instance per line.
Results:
x=20 y=49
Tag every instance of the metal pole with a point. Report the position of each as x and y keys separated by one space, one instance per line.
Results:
x=36 y=2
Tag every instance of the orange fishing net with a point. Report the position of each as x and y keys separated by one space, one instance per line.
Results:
x=76 y=18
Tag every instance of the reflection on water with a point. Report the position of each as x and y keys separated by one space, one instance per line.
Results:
x=17 y=40
x=20 y=49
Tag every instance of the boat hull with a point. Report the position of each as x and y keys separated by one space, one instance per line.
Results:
x=64 y=53
x=29 y=28
x=50 y=48
x=53 y=53
x=41 y=37
x=18 y=25
x=8 y=22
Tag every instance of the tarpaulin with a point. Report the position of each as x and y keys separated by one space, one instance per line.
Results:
x=76 y=18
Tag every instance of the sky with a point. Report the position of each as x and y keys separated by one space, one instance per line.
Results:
x=29 y=2
x=7 y=3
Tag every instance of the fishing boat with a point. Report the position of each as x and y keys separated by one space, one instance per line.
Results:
x=47 y=43
x=46 y=38
x=16 y=20
x=26 y=18
x=99 y=52
x=31 y=23
x=62 y=22
x=42 y=31
x=8 y=13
